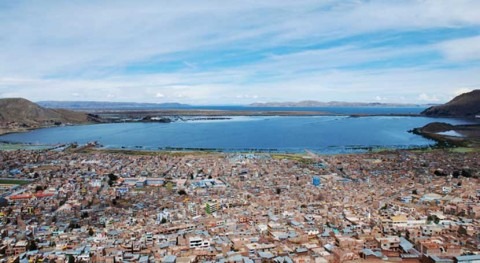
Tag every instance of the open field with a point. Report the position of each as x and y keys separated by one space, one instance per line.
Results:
x=13 y=181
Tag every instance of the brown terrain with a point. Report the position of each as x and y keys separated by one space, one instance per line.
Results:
x=466 y=105
x=17 y=114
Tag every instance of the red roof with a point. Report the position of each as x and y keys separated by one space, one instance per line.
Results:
x=19 y=197
x=43 y=194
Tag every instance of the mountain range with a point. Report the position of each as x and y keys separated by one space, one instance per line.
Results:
x=106 y=105
x=313 y=103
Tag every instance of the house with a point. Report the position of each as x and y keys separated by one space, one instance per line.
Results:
x=391 y=243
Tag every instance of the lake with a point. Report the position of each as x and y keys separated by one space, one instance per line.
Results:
x=322 y=134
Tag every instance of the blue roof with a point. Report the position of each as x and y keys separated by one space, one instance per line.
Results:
x=468 y=257
x=169 y=258
x=265 y=254
x=405 y=244
x=369 y=252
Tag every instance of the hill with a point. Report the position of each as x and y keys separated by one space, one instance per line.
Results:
x=106 y=105
x=465 y=105
x=17 y=114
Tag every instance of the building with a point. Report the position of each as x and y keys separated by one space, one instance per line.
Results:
x=198 y=242
x=316 y=181
x=211 y=207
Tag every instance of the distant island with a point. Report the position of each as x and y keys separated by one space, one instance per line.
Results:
x=313 y=103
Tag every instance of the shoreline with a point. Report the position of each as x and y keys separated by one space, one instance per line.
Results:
x=306 y=153
x=140 y=150
x=469 y=135
x=178 y=115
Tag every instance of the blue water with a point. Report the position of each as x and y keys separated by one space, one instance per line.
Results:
x=323 y=134
x=333 y=110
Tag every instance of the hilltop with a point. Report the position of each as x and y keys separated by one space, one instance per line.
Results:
x=18 y=114
x=464 y=105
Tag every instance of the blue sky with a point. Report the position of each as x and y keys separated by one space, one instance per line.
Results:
x=239 y=52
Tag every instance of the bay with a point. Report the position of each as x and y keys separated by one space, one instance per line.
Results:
x=322 y=134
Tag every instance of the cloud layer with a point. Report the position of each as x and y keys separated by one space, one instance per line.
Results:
x=218 y=52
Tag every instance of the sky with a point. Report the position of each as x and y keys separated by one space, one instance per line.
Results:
x=238 y=52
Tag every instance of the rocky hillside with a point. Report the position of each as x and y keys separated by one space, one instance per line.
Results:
x=464 y=105
x=28 y=114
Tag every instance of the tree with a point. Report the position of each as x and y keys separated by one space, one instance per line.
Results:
x=429 y=219
x=169 y=186
x=32 y=245
x=73 y=225
x=182 y=192
x=84 y=214
x=91 y=232
x=163 y=221
x=279 y=190
x=112 y=179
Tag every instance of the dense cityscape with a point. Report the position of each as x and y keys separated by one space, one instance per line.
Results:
x=292 y=131
x=399 y=206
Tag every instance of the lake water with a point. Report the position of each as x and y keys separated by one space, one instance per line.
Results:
x=322 y=134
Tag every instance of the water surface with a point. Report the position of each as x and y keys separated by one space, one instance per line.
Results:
x=323 y=134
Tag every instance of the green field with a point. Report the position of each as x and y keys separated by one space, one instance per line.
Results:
x=464 y=150
x=13 y=181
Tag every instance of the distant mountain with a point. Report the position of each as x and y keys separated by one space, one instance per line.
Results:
x=464 y=105
x=104 y=105
x=313 y=103
x=27 y=113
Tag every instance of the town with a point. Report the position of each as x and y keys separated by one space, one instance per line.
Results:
x=98 y=206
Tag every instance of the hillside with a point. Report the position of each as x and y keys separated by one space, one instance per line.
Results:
x=17 y=114
x=464 y=105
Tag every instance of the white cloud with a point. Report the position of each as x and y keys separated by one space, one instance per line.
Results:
x=56 y=49
x=428 y=98
x=463 y=49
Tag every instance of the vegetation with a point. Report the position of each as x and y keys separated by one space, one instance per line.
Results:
x=13 y=181
x=112 y=179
